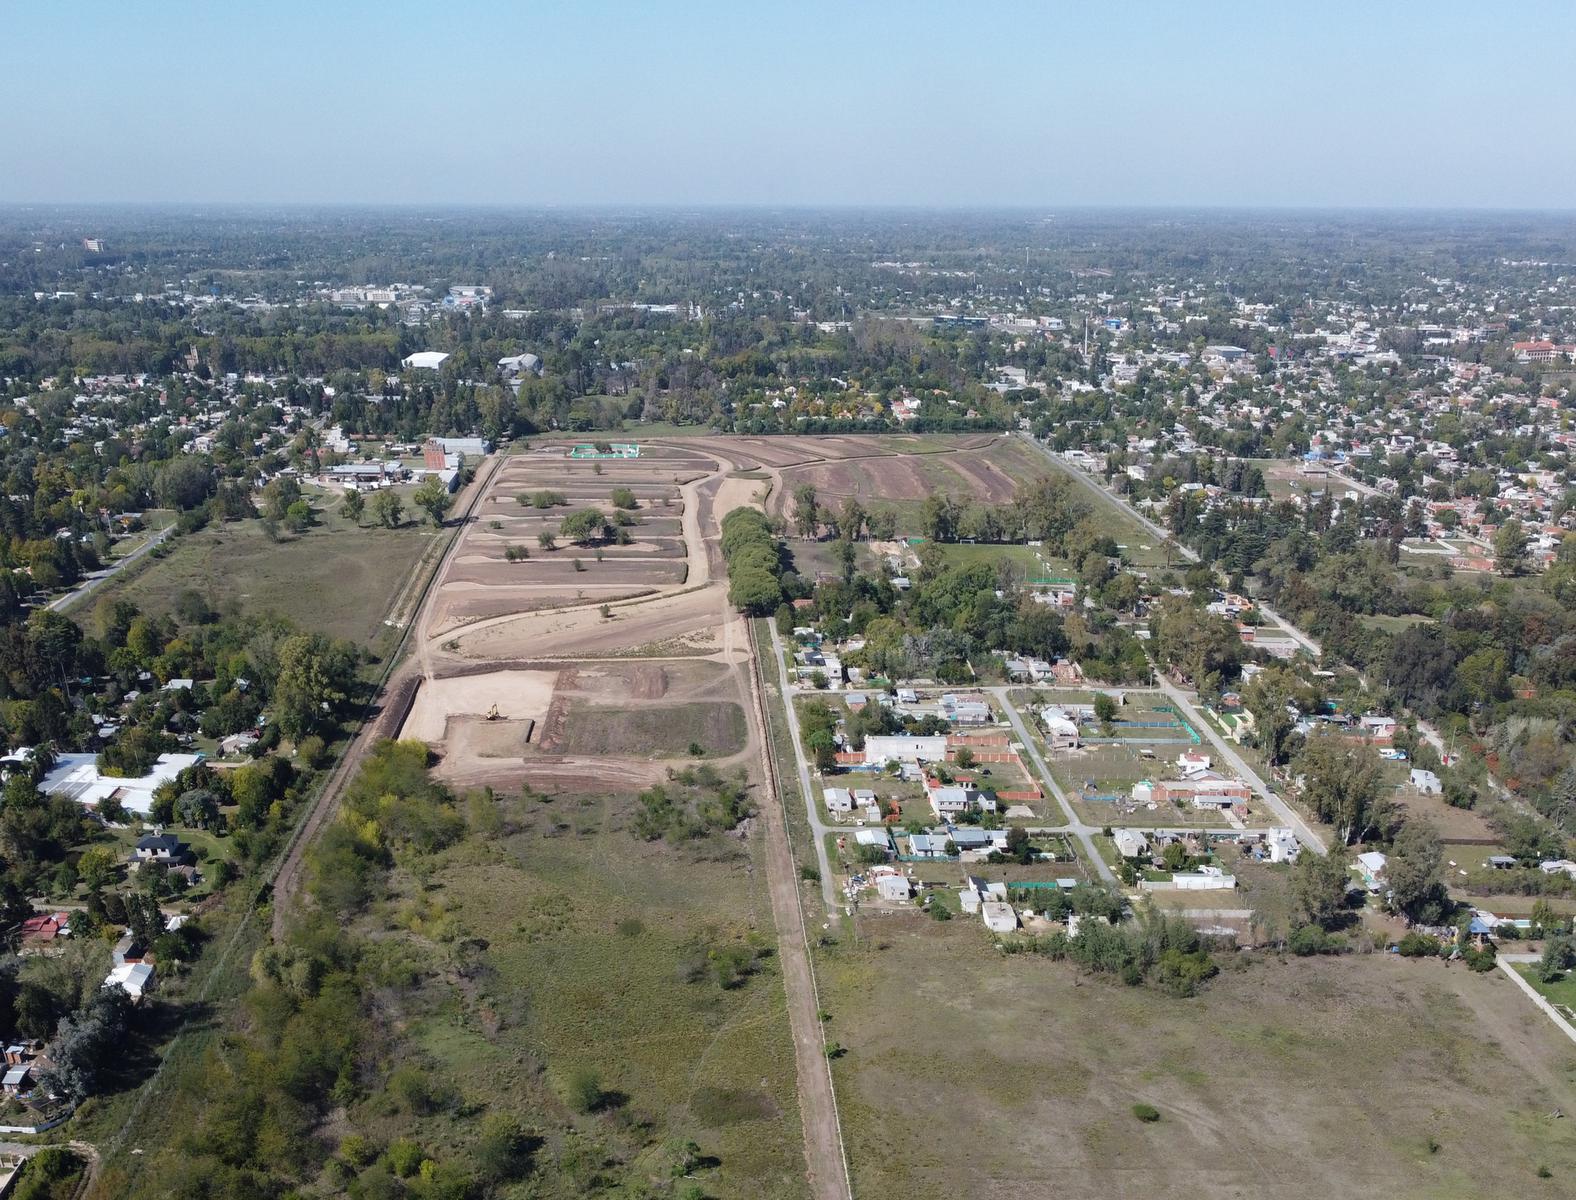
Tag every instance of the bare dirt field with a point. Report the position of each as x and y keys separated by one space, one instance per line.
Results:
x=518 y=694
x=1358 y=1077
x=898 y=470
x=504 y=568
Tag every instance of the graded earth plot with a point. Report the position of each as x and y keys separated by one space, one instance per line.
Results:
x=554 y=531
x=587 y=669
x=896 y=471
x=584 y=727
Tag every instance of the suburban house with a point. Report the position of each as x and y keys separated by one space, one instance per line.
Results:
x=135 y=979
x=1215 y=790
x=38 y=935
x=892 y=886
x=838 y=800
x=951 y=800
x=1370 y=866
x=1130 y=843
x=1426 y=782
x=161 y=848
x=1283 y=845
x=886 y=748
x=1061 y=731
x=126 y=950
x=998 y=917
x=965 y=712
x=875 y=837
x=18 y=1079
x=1193 y=763
x=1377 y=728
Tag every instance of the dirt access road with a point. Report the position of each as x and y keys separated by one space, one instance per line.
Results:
x=677 y=628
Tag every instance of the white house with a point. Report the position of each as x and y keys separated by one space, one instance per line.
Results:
x=885 y=748
x=1193 y=762
x=76 y=776
x=516 y=365
x=1061 y=731
x=1426 y=781
x=135 y=979
x=1376 y=727
x=1130 y=843
x=893 y=887
x=838 y=800
x=875 y=837
x=1283 y=845
x=998 y=917
x=1371 y=865
x=424 y=360
x=949 y=801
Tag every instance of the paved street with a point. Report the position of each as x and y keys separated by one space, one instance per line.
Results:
x=1287 y=815
x=99 y=578
x=1084 y=833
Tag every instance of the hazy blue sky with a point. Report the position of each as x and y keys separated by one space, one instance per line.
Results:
x=1299 y=102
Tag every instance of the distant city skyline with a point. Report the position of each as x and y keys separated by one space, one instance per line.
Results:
x=881 y=104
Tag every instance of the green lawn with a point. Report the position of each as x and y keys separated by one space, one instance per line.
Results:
x=1562 y=991
x=1032 y=562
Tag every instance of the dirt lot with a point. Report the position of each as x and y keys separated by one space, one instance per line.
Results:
x=968 y=1074
x=518 y=694
x=987 y=470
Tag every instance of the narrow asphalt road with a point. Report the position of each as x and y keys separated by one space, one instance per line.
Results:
x=99 y=578
x=1094 y=485
x=1288 y=816
x=1083 y=832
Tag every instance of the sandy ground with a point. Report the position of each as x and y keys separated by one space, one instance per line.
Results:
x=518 y=695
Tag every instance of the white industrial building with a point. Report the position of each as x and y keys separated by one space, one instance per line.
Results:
x=424 y=360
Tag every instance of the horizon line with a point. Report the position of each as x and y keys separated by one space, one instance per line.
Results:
x=663 y=206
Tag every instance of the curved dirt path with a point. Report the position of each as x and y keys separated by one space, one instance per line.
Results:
x=695 y=610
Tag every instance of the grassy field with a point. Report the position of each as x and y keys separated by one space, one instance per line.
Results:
x=968 y=1074
x=1139 y=546
x=594 y=958
x=1032 y=562
x=335 y=578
